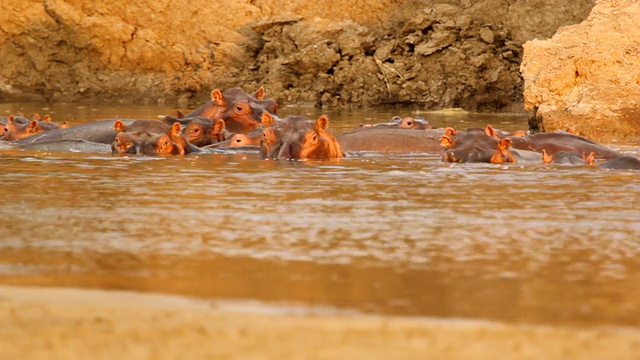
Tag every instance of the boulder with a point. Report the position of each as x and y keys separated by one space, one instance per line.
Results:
x=587 y=76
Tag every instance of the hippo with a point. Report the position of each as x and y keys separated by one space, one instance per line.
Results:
x=241 y=112
x=145 y=134
x=156 y=144
x=470 y=146
x=622 y=163
x=551 y=142
x=416 y=124
x=100 y=131
x=476 y=145
x=201 y=131
x=407 y=123
x=16 y=128
x=297 y=137
x=568 y=158
x=249 y=139
x=555 y=142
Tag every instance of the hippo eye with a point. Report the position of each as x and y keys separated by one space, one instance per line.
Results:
x=409 y=123
x=242 y=107
x=196 y=130
x=238 y=141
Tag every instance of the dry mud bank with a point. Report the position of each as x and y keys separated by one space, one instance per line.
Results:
x=59 y=323
x=436 y=54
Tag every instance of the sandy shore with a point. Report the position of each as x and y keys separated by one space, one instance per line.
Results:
x=58 y=323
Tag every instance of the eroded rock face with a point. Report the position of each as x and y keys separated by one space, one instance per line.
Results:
x=432 y=53
x=587 y=76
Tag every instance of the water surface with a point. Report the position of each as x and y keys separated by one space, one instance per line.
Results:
x=387 y=234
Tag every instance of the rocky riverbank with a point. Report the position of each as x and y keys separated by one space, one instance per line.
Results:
x=434 y=54
x=587 y=76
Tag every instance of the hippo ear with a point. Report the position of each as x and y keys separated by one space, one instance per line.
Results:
x=589 y=159
x=119 y=126
x=175 y=128
x=546 y=158
x=47 y=118
x=267 y=119
x=179 y=114
x=10 y=120
x=64 y=125
x=260 y=93
x=322 y=123
x=218 y=127
x=35 y=116
x=31 y=128
x=449 y=131
x=218 y=98
x=447 y=142
x=505 y=143
x=489 y=130
x=570 y=131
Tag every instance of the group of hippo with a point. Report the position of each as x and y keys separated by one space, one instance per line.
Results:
x=235 y=119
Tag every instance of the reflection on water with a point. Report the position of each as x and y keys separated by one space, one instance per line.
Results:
x=401 y=234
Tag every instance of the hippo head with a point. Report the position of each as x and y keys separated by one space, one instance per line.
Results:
x=245 y=140
x=202 y=131
x=298 y=137
x=241 y=112
x=16 y=131
x=124 y=143
x=568 y=157
x=160 y=145
x=502 y=154
x=148 y=137
x=416 y=124
x=475 y=145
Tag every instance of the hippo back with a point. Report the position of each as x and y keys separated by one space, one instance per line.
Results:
x=387 y=139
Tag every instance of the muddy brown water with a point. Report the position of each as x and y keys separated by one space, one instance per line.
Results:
x=383 y=234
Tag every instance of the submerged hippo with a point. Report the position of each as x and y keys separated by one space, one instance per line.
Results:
x=100 y=131
x=482 y=145
x=201 y=131
x=298 y=137
x=622 y=163
x=146 y=137
x=568 y=158
x=17 y=128
x=552 y=143
x=415 y=124
x=555 y=142
x=158 y=144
